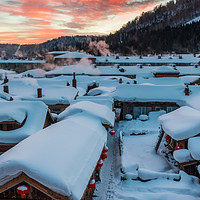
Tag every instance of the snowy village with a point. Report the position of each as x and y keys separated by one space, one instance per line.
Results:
x=100 y=100
x=109 y=127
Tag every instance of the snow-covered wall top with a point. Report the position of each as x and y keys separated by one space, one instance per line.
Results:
x=34 y=114
x=61 y=157
x=182 y=123
x=102 y=112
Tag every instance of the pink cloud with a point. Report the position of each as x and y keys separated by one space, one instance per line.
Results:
x=40 y=15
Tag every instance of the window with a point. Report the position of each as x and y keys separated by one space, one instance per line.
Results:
x=171 y=108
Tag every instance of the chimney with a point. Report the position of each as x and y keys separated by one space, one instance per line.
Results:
x=39 y=92
x=6 y=89
x=68 y=84
x=74 y=80
x=5 y=79
x=134 y=82
x=120 y=80
x=187 y=91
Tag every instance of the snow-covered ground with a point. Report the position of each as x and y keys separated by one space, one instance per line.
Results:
x=137 y=172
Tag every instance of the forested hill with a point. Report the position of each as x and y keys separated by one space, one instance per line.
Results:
x=172 y=14
x=165 y=29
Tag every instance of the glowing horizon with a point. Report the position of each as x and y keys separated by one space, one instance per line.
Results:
x=35 y=21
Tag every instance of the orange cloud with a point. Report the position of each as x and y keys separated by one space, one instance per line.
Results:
x=37 y=21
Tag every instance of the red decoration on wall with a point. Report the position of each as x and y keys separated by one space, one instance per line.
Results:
x=168 y=138
x=105 y=149
x=23 y=189
x=177 y=147
x=100 y=164
x=112 y=132
x=104 y=156
x=91 y=184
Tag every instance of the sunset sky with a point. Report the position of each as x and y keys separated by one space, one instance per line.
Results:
x=35 y=21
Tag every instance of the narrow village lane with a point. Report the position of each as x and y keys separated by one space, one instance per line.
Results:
x=106 y=189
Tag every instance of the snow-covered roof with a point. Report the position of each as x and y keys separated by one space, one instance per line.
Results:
x=182 y=155
x=102 y=112
x=83 y=67
x=5 y=96
x=194 y=147
x=164 y=59
x=22 y=61
x=36 y=73
x=182 y=123
x=32 y=113
x=75 y=55
x=101 y=91
x=67 y=167
x=145 y=93
x=102 y=100
x=53 y=91
x=165 y=69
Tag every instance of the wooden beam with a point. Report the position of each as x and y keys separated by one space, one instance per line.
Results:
x=159 y=139
x=37 y=185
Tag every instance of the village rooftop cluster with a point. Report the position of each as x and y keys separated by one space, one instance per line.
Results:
x=75 y=126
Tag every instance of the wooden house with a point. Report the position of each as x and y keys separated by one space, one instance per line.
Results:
x=142 y=99
x=54 y=93
x=19 y=120
x=58 y=162
x=72 y=57
x=166 y=71
x=179 y=131
x=102 y=112
x=21 y=65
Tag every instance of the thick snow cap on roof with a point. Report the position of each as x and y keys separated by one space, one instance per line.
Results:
x=145 y=93
x=182 y=155
x=102 y=100
x=194 y=147
x=103 y=113
x=165 y=69
x=61 y=157
x=32 y=113
x=182 y=123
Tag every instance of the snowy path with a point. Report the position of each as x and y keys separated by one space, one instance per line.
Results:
x=106 y=189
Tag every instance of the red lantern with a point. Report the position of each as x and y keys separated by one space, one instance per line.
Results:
x=100 y=164
x=177 y=147
x=168 y=138
x=114 y=109
x=105 y=149
x=112 y=132
x=91 y=184
x=159 y=127
x=115 y=119
x=23 y=190
x=104 y=156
